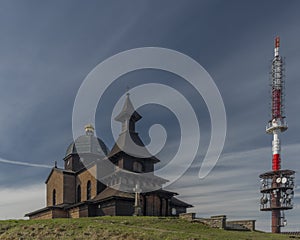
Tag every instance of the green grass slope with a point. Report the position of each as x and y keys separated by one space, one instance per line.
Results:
x=125 y=228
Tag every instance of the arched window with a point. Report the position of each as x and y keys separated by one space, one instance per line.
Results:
x=78 y=193
x=88 y=190
x=137 y=167
x=54 y=197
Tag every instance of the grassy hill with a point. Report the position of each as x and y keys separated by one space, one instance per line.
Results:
x=125 y=228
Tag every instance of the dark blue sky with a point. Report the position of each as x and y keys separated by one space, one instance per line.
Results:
x=48 y=48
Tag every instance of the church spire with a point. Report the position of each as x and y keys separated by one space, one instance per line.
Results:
x=128 y=116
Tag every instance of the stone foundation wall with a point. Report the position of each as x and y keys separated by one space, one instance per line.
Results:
x=218 y=221
x=187 y=216
x=214 y=222
x=249 y=224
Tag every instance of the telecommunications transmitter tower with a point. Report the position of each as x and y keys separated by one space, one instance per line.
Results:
x=277 y=186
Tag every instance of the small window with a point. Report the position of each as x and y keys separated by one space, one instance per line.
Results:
x=54 y=197
x=137 y=167
x=78 y=193
x=88 y=190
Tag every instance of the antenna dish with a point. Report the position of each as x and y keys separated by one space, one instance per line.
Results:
x=284 y=180
x=264 y=200
x=278 y=180
x=284 y=196
x=284 y=222
x=288 y=191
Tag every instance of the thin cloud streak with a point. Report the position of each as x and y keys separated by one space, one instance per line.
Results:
x=24 y=163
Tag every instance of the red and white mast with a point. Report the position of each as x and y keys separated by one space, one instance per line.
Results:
x=277 y=124
x=277 y=186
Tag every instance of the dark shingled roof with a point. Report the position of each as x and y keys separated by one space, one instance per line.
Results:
x=128 y=111
x=87 y=144
x=128 y=138
x=123 y=144
x=110 y=192
x=177 y=202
